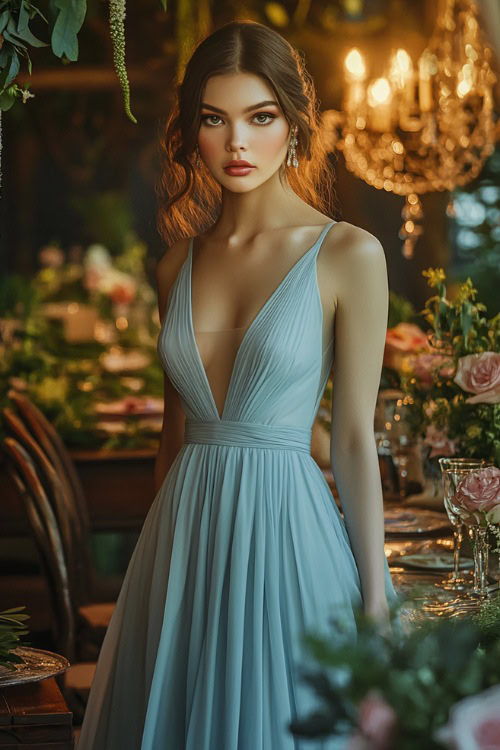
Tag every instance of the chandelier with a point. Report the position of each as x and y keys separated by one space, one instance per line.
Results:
x=414 y=131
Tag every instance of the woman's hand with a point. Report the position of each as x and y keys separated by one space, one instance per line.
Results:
x=379 y=611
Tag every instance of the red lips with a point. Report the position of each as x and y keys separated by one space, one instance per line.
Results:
x=238 y=163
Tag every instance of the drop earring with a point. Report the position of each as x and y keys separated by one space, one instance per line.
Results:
x=197 y=159
x=292 y=154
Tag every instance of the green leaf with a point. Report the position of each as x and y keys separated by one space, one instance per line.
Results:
x=25 y=34
x=10 y=71
x=12 y=39
x=163 y=4
x=24 y=17
x=7 y=99
x=70 y=17
x=466 y=320
x=4 y=18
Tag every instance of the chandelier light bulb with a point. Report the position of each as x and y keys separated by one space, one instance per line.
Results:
x=379 y=92
x=354 y=65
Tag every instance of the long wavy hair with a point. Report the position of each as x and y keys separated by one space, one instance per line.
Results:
x=189 y=197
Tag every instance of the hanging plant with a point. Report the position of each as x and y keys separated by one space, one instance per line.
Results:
x=117 y=30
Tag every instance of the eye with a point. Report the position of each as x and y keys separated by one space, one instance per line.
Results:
x=267 y=115
x=206 y=118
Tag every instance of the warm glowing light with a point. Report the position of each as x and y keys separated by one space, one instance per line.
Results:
x=121 y=323
x=73 y=308
x=401 y=67
x=355 y=65
x=379 y=92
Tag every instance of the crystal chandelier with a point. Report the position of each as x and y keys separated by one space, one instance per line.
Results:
x=416 y=131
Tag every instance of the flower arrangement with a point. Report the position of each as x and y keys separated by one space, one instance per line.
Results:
x=68 y=378
x=453 y=387
x=406 y=690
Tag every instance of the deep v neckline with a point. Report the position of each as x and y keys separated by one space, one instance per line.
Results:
x=250 y=328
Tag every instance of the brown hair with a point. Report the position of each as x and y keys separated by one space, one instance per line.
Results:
x=189 y=198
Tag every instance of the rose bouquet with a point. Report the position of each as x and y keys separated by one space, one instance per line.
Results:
x=453 y=387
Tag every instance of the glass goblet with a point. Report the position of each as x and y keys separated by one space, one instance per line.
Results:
x=453 y=470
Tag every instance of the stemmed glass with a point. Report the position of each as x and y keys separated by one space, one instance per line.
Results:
x=453 y=470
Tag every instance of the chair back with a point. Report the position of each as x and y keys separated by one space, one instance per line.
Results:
x=45 y=530
x=55 y=450
x=61 y=502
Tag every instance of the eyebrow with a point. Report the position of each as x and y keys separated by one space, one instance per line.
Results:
x=266 y=103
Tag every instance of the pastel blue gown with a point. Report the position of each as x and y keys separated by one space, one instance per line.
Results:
x=242 y=551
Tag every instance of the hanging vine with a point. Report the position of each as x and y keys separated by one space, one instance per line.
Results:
x=117 y=31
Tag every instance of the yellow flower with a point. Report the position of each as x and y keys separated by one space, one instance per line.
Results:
x=434 y=276
x=51 y=389
x=474 y=431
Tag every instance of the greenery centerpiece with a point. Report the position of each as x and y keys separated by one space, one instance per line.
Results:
x=453 y=388
x=407 y=689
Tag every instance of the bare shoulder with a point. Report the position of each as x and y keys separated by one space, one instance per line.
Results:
x=167 y=270
x=172 y=259
x=351 y=250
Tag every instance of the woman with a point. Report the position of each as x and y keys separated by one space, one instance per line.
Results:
x=243 y=549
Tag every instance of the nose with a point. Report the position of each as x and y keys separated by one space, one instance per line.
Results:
x=236 y=141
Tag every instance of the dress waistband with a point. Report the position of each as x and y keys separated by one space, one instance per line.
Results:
x=249 y=435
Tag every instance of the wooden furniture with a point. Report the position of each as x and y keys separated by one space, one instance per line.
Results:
x=35 y=715
x=113 y=505
x=80 y=623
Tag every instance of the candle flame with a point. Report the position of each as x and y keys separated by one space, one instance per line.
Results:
x=379 y=91
x=354 y=64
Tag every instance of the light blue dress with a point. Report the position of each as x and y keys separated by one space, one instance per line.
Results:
x=242 y=551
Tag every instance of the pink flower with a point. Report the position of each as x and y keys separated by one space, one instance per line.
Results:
x=480 y=490
x=480 y=374
x=439 y=441
x=402 y=340
x=425 y=365
x=51 y=256
x=474 y=723
x=376 y=724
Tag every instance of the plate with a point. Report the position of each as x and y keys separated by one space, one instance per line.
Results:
x=38 y=665
x=416 y=521
x=433 y=561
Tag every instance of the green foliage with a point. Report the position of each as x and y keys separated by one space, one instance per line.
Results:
x=421 y=674
x=64 y=21
x=459 y=327
x=401 y=310
x=11 y=630
x=66 y=379
x=68 y=17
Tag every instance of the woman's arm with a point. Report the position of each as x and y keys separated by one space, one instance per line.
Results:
x=172 y=431
x=360 y=330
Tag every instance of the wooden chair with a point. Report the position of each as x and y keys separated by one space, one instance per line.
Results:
x=76 y=681
x=48 y=540
x=55 y=450
x=91 y=618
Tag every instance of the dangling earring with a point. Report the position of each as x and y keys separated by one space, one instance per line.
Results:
x=197 y=160
x=292 y=154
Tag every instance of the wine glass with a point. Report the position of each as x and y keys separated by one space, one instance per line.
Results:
x=453 y=470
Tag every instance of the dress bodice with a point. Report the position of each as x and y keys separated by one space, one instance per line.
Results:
x=273 y=371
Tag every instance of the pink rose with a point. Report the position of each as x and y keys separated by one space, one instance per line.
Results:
x=402 y=340
x=480 y=489
x=426 y=365
x=473 y=723
x=439 y=441
x=480 y=374
x=376 y=724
